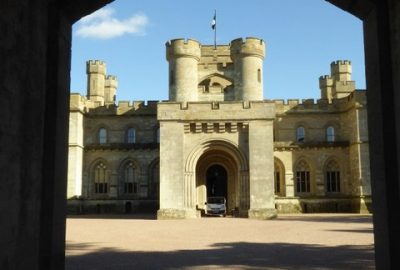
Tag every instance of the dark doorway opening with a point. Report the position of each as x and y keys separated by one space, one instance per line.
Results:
x=217 y=182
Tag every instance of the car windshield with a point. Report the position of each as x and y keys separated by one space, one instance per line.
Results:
x=218 y=200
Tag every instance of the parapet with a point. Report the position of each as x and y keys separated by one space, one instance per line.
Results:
x=249 y=46
x=216 y=111
x=96 y=66
x=111 y=81
x=183 y=48
x=325 y=81
x=340 y=67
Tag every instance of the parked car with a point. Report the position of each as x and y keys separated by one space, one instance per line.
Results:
x=216 y=206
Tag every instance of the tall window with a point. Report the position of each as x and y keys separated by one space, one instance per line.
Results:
x=102 y=135
x=130 y=181
x=158 y=135
x=330 y=134
x=302 y=177
x=300 y=134
x=332 y=177
x=131 y=135
x=100 y=179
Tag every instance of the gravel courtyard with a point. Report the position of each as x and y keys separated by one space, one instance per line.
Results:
x=334 y=241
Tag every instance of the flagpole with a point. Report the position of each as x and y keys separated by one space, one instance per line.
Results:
x=215 y=29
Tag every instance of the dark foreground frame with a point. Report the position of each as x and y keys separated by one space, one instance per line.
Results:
x=35 y=55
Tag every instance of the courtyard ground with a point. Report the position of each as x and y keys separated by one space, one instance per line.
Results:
x=334 y=241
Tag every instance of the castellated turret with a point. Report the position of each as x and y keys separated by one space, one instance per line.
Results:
x=183 y=57
x=341 y=73
x=339 y=83
x=326 y=86
x=96 y=72
x=248 y=55
x=110 y=88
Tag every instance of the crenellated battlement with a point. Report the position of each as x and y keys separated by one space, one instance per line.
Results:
x=209 y=110
x=341 y=62
x=325 y=81
x=111 y=77
x=183 y=48
x=96 y=66
x=248 y=46
x=319 y=105
x=341 y=70
x=111 y=81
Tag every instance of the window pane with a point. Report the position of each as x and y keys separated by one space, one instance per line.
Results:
x=330 y=134
x=131 y=135
x=300 y=134
x=102 y=135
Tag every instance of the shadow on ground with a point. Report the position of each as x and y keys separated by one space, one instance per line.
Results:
x=323 y=218
x=115 y=216
x=240 y=255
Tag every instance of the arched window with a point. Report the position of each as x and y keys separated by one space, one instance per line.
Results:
x=100 y=178
x=330 y=134
x=131 y=135
x=259 y=75
x=300 y=134
x=302 y=177
x=130 y=181
x=332 y=172
x=102 y=135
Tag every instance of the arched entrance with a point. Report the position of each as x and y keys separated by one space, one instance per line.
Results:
x=216 y=181
x=219 y=169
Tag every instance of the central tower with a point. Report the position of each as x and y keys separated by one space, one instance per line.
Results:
x=214 y=119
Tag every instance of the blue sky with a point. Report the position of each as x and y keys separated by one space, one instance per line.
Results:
x=302 y=39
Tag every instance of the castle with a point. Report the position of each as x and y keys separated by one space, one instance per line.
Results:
x=218 y=136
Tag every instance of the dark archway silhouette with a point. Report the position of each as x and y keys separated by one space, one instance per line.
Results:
x=217 y=181
x=35 y=48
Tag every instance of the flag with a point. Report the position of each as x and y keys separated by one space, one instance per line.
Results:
x=214 y=22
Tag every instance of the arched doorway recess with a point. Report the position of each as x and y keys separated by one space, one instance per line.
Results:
x=222 y=157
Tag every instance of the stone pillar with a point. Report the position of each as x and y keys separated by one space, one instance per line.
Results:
x=261 y=164
x=289 y=181
x=75 y=150
x=189 y=191
x=175 y=189
x=319 y=183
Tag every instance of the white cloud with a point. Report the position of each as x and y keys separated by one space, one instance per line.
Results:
x=102 y=25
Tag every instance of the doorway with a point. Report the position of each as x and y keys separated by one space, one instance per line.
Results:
x=217 y=181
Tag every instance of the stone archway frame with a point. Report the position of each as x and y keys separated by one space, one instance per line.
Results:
x=223 y=152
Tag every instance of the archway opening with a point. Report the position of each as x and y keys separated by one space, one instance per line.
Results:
x=217 y=181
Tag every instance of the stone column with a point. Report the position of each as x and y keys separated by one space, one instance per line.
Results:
x=174 y=187
x=319 y=183
x=75 y=153
x=289 y=184
x=261 y=161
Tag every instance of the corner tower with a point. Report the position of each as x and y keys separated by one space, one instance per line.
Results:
x=248 y=55
x=96 y=72
x=183 y=57
x=339 y=83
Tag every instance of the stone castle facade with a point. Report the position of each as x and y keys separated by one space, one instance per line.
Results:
x=218 y=136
